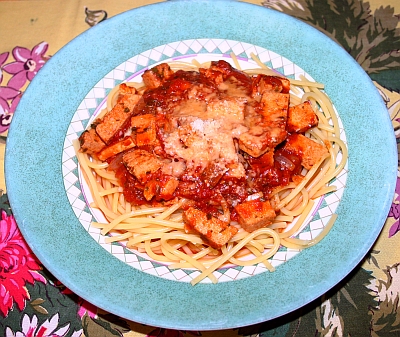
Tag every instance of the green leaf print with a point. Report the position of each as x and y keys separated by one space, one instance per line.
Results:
x=336 y=314
x=91 y=328
x=356 y=318
x=4 y=203
x=386 y=321
x=386 y=316
x=371 y=38
x=46 y=301
x=98 y=327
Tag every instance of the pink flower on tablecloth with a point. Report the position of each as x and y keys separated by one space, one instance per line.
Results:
x=7 y=111
x=395 y=211
x=15 y=102
x=7 y=94
x=18 y=266
x=86 y=308
x=27 y=64
x=3 y=58
x=30 y=328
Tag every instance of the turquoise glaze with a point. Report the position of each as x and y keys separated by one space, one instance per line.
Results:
x=45 y=217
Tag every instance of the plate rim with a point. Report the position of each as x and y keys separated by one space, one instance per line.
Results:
x=179 y=296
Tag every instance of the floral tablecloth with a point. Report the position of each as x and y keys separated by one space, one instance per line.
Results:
x=35 y=303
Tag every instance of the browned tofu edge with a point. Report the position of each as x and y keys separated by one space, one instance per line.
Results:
x=112 y=122
x=301 y=117
x=216 y=232
x=140 y=163
x=306 y=148
x=90 y=142
x=116 y=148
x=255 y=214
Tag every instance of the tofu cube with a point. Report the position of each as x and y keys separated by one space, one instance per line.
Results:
x=154 y=77
x=168 y=187
x=126 y=89
x=301 y=117
x=254 y=145
x=213 y=174
x=257 y=144
x=216 y=232
x=113 y=122
x=140 y=163
x=145 y=126
x=90 y=142
x=275 y=107
x=150 y=189
x=255 y=214
x=305 y=148
x=162 y=189
x=266 y=83
x=129 y=101
x=118 y=147
x=230 y=109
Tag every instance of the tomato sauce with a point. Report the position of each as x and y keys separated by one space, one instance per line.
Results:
x=262 y=174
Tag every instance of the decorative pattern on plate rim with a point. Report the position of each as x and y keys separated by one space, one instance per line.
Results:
x=94 y=102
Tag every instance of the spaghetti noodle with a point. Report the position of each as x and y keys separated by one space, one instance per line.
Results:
x=205 y=170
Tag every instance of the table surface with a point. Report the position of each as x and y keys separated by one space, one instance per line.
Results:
x=35 y=303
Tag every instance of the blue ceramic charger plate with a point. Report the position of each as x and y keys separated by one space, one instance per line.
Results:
x=35 y=185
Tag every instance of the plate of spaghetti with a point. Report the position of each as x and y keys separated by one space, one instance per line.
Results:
x=193 y=181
